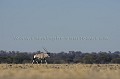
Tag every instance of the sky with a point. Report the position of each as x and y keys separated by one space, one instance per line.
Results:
x=60 y=25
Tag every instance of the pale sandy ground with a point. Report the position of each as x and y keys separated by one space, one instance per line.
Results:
x=59 y=71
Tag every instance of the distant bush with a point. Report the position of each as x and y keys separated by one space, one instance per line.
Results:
x=62 y=57
x=116 y=60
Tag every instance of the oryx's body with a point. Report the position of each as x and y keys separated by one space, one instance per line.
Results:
x=40 y=56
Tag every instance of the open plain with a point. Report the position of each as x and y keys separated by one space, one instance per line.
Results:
x=60 y=71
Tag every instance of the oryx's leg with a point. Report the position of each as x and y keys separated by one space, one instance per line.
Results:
x=41 y=61
x=37 y=62
x=45 y=61
x=33 y=61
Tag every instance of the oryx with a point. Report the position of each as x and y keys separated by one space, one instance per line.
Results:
x=41 y=56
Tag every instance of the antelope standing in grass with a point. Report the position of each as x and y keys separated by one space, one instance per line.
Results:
x=41 y=56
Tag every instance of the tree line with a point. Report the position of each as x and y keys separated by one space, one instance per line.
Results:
x=17 y=57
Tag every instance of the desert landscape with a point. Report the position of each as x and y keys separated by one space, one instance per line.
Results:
x=60 y=71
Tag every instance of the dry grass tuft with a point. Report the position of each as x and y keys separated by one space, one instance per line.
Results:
x=60 y=71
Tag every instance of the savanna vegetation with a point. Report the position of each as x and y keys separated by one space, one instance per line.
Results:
x=60 y=71
x=71 y=65
x=17 y=57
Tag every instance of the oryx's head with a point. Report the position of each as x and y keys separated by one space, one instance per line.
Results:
x=48 y=54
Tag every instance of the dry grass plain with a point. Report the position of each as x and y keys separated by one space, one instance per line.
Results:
x=60 y=71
